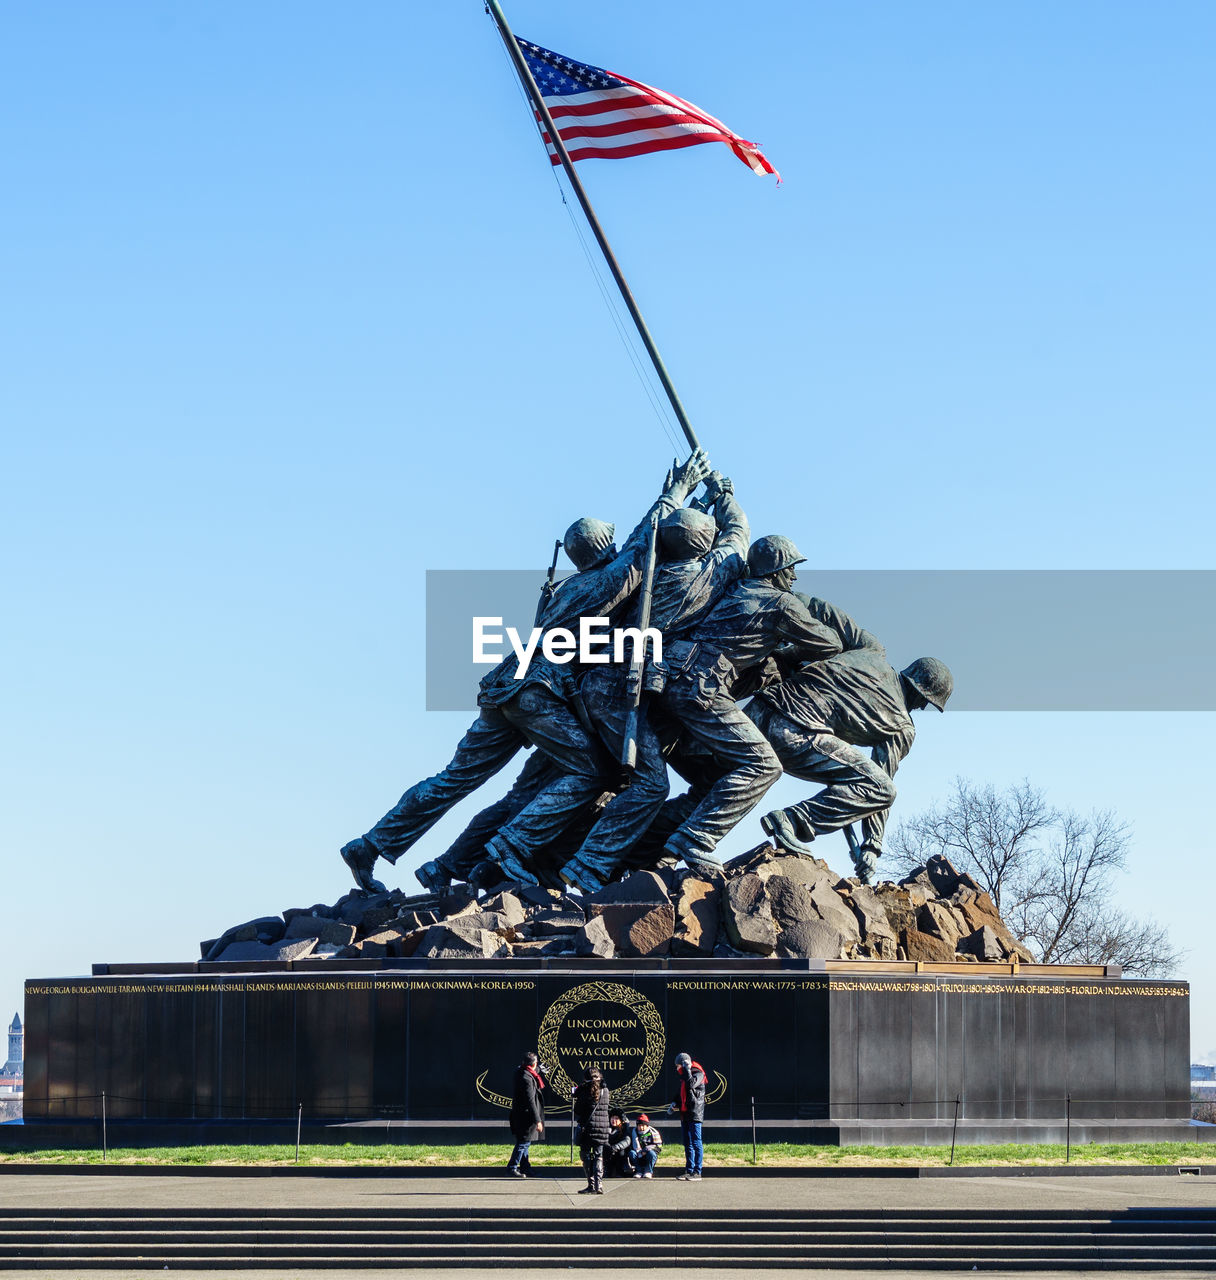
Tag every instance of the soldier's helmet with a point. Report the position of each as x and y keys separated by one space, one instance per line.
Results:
x=586 y=542
x=931 y=679
x=771 y=553
x=686 y=534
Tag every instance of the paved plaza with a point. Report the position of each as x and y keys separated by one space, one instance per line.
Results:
x=553 y=1193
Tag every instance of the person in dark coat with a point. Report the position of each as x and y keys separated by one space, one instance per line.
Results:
x=591 y=1116
x=527 y=1114
x=689 y=1103
x=621 y=1146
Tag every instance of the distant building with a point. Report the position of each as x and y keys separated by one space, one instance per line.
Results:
x=1199 y=1071
x=12 y=1074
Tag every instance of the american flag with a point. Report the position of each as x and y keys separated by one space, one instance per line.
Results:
x=600 y=114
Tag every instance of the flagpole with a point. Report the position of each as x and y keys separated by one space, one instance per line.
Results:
x=533 y=91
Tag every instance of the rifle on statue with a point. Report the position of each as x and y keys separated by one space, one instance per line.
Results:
x=637 y=667
x=546 y=591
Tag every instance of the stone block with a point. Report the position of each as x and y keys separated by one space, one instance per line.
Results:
x=876 y=931
x=263 y=929
x=834 y=911
x=811 y=939
x=811 y=873
x=410 y=918
x=408 y=943
x=592 y=939
x=320 y=909
x=641 y=887
x=979 y=912
x=327 y=931
x=748 y=918
x=458 y=900
x=698 y=917
x=899 y=907
x=278 y=952
x=530 y=946
x=750 y=860
x=370 y=912
x=637 y=928
x=925 y=947
x=536 y=895
x=491 y=921
x=942 y=921
x=421 y=901
x=788 y=901
x=976 y=907
x=373 y=947
x=983 y=944
x=450 y=942
x=506 y=905
x=545 y=924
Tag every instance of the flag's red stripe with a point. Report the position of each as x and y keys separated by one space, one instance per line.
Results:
x=640 y=126
x=638 y=148
x=594 y=108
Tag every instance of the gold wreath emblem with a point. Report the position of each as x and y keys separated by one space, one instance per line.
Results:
x=610 y=993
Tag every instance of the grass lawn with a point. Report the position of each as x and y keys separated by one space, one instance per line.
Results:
x=723 y=1155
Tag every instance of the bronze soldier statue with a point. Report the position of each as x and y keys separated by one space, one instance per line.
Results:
x=701 y=558
x=736 y=636
x=545 y=708
x=817 y=717
x=514 y=714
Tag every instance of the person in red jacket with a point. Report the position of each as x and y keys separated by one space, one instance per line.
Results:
x=689 y=1102
x=527 y=1113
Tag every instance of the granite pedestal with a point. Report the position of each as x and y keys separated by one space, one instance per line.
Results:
x=410 y=1051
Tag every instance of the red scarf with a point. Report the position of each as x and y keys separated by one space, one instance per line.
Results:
x=540 y=1080
x=693 y=1066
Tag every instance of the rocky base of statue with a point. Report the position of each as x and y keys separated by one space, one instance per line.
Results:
x=769 y=903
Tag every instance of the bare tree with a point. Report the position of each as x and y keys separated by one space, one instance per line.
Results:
x=1049 y=872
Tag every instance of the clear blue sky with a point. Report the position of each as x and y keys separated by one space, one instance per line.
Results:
x=294 y=313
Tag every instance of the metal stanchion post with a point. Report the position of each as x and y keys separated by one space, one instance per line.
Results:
x=299 y=1126
x=105 y=1141
x=954 y=1132
x=1067 y=1127
x=754 y=1161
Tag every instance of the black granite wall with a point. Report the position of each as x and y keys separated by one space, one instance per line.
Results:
x=442 y=1045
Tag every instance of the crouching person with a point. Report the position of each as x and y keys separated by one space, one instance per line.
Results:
x=647 y=1143
x=618 y=1155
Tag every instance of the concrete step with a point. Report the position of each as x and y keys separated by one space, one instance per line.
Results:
x=875 y=1260
x=688 y=1234
x=100 y=1239
x=1198 y=1213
